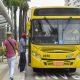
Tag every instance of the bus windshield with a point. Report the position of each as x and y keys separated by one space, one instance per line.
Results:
x=56 y=31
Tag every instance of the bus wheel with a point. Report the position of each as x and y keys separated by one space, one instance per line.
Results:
x=72 y=69
x=35 y=70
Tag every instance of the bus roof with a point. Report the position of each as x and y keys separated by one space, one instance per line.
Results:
x=55 y=7
x=54 y=12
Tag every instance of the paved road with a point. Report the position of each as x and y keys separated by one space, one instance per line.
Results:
x=30 y=75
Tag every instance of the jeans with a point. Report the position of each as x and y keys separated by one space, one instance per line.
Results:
x=22 y=61
x=11 y=64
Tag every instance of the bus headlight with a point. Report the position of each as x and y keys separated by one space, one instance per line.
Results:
x=78 y=56
x=37 y=55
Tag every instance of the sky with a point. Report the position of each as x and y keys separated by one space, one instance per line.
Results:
x=37 y=3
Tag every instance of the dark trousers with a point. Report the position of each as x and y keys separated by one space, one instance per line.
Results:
x=22 y=61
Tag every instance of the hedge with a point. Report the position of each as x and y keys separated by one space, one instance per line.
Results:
x=2 y=51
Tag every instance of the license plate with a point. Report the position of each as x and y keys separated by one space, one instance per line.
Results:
x=58 y=63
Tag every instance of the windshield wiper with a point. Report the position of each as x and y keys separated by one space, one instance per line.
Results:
x=53 y=30
x=51 y=27
x=48 y=22
x=68 y=21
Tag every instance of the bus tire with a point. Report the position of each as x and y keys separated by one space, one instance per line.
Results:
x=72 y=69
x=36 y=70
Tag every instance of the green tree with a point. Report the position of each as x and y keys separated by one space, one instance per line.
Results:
x=10 y=4
x=15 y=4
x=22 y=17
x=25 y=8
x=7 y=3
x=23 y=5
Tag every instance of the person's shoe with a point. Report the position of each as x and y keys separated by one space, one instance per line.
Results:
x=21 y=71
x=11 y=78
x=24 y=71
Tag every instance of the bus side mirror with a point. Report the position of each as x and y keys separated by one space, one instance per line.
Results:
x=28 y=25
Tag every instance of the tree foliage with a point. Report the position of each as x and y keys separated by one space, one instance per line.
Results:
x=23 y=5
x=7 y=3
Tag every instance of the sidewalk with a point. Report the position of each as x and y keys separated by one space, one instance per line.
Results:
x=3 y=69
x=4 y=72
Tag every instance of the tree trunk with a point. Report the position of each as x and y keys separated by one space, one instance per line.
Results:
x=15 y=28
x=20 y=23
x=24 y=20
x=12 y=17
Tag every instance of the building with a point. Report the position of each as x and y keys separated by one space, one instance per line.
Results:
x=75 y=3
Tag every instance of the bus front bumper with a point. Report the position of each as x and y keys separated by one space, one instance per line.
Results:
x=38 y=63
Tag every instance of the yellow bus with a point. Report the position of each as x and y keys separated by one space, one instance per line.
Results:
x=54 y=38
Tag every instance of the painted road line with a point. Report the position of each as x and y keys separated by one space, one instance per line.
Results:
x=54 y=76
x=40 y=77
x=37 y=77
x=75 y=76
x=64 y=76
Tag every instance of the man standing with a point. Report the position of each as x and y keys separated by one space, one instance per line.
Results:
x=22 y=60
x=10 y=46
